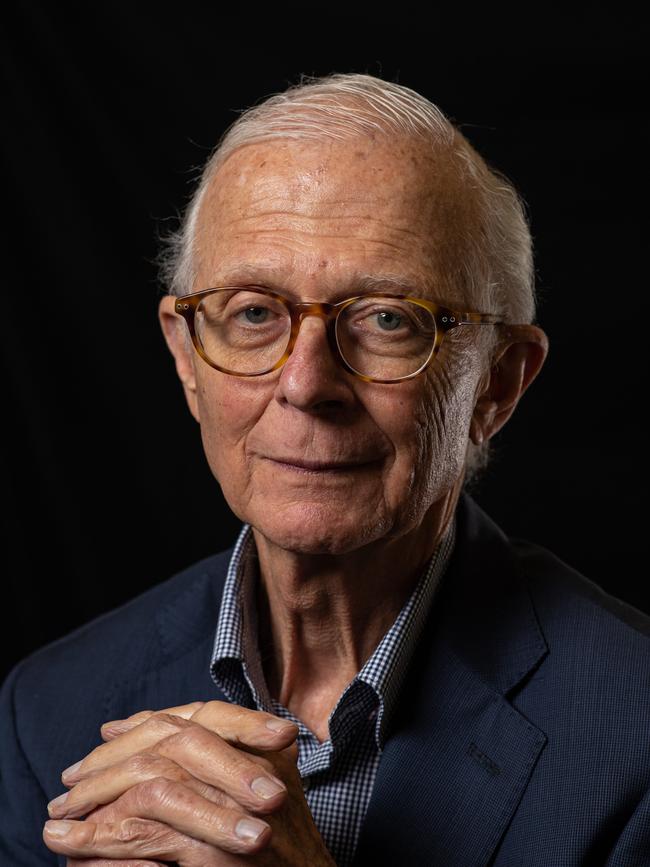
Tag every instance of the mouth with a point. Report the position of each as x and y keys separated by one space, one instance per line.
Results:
x=303 y=466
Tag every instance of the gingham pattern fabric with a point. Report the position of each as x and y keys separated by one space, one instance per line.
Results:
x=338 y=775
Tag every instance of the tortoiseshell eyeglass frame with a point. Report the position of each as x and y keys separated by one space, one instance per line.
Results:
x=445 y=319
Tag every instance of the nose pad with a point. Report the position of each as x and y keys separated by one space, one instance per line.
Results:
x=329 y=333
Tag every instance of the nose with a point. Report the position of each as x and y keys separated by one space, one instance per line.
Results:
x=312 y=379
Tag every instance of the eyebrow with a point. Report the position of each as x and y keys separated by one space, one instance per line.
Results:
x=362 y=282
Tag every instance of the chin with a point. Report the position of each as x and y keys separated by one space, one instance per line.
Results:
x=318 y=528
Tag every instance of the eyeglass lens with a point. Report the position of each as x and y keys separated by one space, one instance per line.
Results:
x=248 y=333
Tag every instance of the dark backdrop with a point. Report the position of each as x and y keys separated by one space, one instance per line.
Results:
x=108 y=109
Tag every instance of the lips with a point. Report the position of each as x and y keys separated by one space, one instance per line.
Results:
x=315 y=466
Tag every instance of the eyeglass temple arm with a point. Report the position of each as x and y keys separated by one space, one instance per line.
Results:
x=451 y=319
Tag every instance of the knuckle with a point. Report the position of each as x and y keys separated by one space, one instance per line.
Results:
x=252 y=720
x=238 y=767
x=142 y=763
x=141 y=715
x=194 y=706
x=190 y=735
x=104 y=814
x=165 y=723
x=134 y=830
x=264 y=763
x=211 y=793
x=151 y=764
x=215 y=705
x=244 y=713
x=90 y=834
x=157 y=790
x=214 y=713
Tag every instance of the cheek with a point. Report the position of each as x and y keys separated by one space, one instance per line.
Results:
x=229 y=408
x=432 y=429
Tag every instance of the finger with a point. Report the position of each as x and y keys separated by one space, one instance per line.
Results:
x=106 y=786
x=248 y=779
x=129 y=834
x=233 y=723
x=242 y=726
x=109 y=862
x=117 y=726
x=125 y=807
x=289 y=753
x=223 y=859
x=139 y=739
x=166 y=810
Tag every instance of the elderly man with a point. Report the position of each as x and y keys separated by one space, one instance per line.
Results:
x=375 y=673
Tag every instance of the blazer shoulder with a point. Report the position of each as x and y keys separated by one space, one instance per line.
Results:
x=564 y=595
x=129 y=636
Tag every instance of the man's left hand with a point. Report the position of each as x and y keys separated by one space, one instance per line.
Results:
x=179 y=826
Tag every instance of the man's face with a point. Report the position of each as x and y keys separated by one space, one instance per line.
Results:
x=307 y=220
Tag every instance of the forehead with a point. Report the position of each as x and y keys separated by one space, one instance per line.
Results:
x=331 y=207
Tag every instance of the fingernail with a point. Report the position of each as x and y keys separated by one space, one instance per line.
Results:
x=58 y=829
x=279 y=725
x=113 y=724
x=71 y=770
x=267 y=787
x=113 y=730
x=54 y=804
x=250 y=829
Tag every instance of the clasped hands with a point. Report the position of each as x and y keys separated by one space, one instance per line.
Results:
x=207 y=784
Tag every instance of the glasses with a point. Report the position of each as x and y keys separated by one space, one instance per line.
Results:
x=250 y=331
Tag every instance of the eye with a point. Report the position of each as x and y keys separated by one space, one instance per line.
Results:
x=256 y=315
x=389 y=320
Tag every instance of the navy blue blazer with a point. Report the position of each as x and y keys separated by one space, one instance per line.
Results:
x=523 y=737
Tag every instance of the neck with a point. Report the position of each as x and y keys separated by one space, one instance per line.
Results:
x=322 y=616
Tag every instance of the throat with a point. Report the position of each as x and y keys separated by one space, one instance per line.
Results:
x=315 y=715
x=309 y=686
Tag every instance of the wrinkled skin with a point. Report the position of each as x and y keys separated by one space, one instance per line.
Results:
x=308 y=221
x=293 y=839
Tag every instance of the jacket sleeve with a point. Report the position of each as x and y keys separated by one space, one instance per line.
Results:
x=632 y=849
x=23 y=803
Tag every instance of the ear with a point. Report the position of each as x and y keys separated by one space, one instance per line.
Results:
x=519 y=358
x=176 y=336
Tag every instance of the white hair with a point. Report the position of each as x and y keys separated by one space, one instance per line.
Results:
x=493 y=270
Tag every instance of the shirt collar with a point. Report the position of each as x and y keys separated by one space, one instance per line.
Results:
x=386 y=668
x=236 y=644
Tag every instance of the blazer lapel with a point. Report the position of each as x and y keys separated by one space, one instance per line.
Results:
x=176 y=666
x=460 y=755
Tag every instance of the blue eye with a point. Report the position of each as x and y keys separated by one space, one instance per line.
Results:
x=388 y=320
x=256 y=315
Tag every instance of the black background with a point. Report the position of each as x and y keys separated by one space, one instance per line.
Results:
x=109 y=110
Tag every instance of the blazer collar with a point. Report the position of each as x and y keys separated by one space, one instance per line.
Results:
x=460 y=755
x=486 y=613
